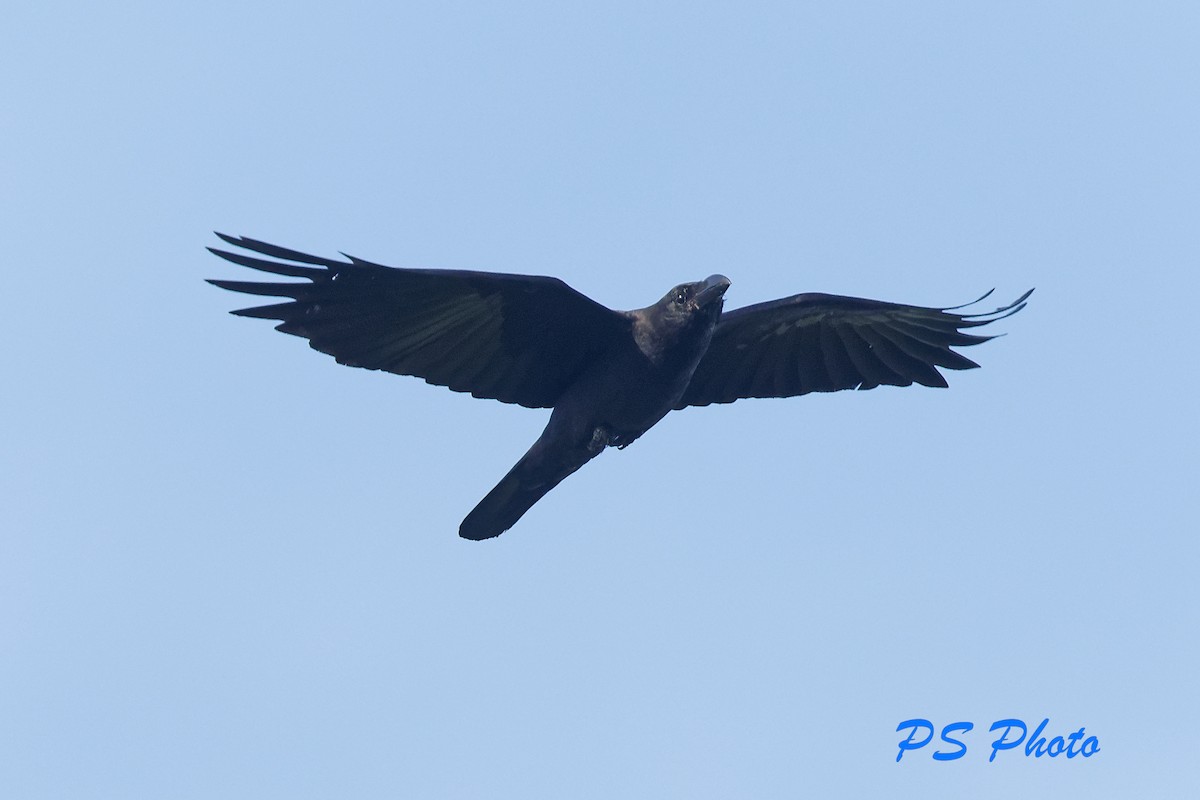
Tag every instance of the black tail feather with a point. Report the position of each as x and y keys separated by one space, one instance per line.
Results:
x=505 y=504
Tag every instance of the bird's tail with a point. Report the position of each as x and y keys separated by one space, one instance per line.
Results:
x=502 y=507
x=527 y=482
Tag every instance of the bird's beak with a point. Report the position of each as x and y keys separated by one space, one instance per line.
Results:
x=713 y=289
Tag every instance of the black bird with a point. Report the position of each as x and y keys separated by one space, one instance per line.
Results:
x=608 y=375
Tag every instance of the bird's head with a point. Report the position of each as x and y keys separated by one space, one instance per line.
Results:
x=700 y=301
x=682 y=321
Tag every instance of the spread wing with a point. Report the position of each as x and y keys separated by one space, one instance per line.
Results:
x=823 y=343
x=514 y=338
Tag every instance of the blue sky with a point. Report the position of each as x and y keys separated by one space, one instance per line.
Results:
x=230 y=568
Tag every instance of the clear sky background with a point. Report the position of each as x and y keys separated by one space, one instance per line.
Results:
x=229 y=567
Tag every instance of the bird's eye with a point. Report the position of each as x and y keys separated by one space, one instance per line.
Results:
x=680 y=296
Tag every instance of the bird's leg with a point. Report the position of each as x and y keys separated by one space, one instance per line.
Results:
x=601 y=438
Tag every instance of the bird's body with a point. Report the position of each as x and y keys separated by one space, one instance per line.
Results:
x=609 y=376
x=616 y=399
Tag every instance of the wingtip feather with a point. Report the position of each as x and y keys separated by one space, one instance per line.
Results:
x=979 y=299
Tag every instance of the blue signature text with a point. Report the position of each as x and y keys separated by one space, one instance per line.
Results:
x=1010 y=734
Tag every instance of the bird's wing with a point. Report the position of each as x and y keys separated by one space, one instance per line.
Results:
x=823 y=343
x=514 y=338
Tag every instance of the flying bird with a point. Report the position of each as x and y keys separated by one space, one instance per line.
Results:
x=609 y=376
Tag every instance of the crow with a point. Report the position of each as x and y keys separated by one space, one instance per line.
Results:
x=609 y=376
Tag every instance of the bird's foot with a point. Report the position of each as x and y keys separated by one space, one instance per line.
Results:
x=601 y=438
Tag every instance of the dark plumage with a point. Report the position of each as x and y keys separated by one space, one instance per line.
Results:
x=608 y=375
